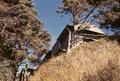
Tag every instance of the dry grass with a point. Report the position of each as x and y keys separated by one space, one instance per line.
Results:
x=95 y=61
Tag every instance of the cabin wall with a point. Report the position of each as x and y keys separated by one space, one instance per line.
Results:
x=84 y=36
x=56 y=47
x=76 y=40
x=62 y=43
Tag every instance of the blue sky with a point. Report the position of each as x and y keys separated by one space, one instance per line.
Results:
x=46 y=10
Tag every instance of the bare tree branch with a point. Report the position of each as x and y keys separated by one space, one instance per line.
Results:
x=87 y=16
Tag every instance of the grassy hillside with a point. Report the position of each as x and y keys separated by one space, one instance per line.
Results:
x=95 y=61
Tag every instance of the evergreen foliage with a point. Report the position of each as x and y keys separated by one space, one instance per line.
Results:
x=106 y=11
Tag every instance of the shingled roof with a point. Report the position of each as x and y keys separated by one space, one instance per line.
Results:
x=89 y=27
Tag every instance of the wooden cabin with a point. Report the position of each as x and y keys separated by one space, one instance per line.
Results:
x=72 y=36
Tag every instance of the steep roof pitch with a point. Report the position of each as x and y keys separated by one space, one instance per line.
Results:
x=90 y=27
x=68 y=27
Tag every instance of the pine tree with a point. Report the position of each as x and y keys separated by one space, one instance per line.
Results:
x=106 y=11
x=19 y=28
x=110 y=15
x=74 y=8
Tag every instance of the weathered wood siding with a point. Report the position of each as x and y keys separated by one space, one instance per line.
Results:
x=61 y=43
x=56 y=47
x=64 y=41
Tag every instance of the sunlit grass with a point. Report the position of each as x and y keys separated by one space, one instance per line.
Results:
x=95 y=61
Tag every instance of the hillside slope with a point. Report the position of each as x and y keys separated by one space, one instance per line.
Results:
x=95 y=61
